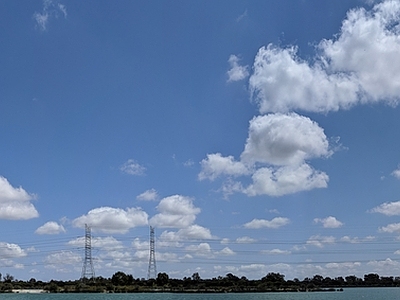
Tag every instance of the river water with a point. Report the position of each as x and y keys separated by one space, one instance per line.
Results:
x=347 y=294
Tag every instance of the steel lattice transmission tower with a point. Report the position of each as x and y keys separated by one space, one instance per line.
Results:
x=88 y=270
x=152 y=272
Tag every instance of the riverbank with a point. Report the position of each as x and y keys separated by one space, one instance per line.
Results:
x=28 y=291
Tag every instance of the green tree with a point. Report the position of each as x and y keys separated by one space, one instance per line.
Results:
x=371 y=279
x=196 y=277
x=8 y=278
x=122 y=279
x=274 y=277
x=162 y=279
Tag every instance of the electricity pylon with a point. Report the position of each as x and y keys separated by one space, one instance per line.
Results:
x=152 y=272
x=87 y=269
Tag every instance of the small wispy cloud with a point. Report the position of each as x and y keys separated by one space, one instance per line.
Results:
x=149 y=195
x=329 y=222
x=51 y=9
x=131 y=167
x=236 y=72
x=188 y=163
x=261 y=223
x=396 y=173
x=242 y=16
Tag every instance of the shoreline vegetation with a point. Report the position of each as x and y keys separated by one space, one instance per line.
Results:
x=125 y=283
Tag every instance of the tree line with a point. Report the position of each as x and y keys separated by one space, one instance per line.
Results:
x=121 y=282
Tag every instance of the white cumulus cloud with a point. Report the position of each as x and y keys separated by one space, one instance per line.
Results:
x=9 y=250
x=284 y=139
x=275 y=156
x=192 y=232
x=342 y=73
x=388 y=208
x=286 y=180
x=202 y=249
x=176 y=212
x=50 y=228
x=15 y=202
x=394 y=227
x=226 y=252
x=261 y=223
x=216 y=165
x=112 y=220
x=329 y=222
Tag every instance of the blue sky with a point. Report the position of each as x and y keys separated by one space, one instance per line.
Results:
x=255 y=136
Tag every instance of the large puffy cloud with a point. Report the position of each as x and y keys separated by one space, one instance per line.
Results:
x=275 y=156
x=282 y=82
x=367 y=34
x=343 y=73
x=175 y=212
x=112 y=220
x=15 y=202
x=284 y=139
